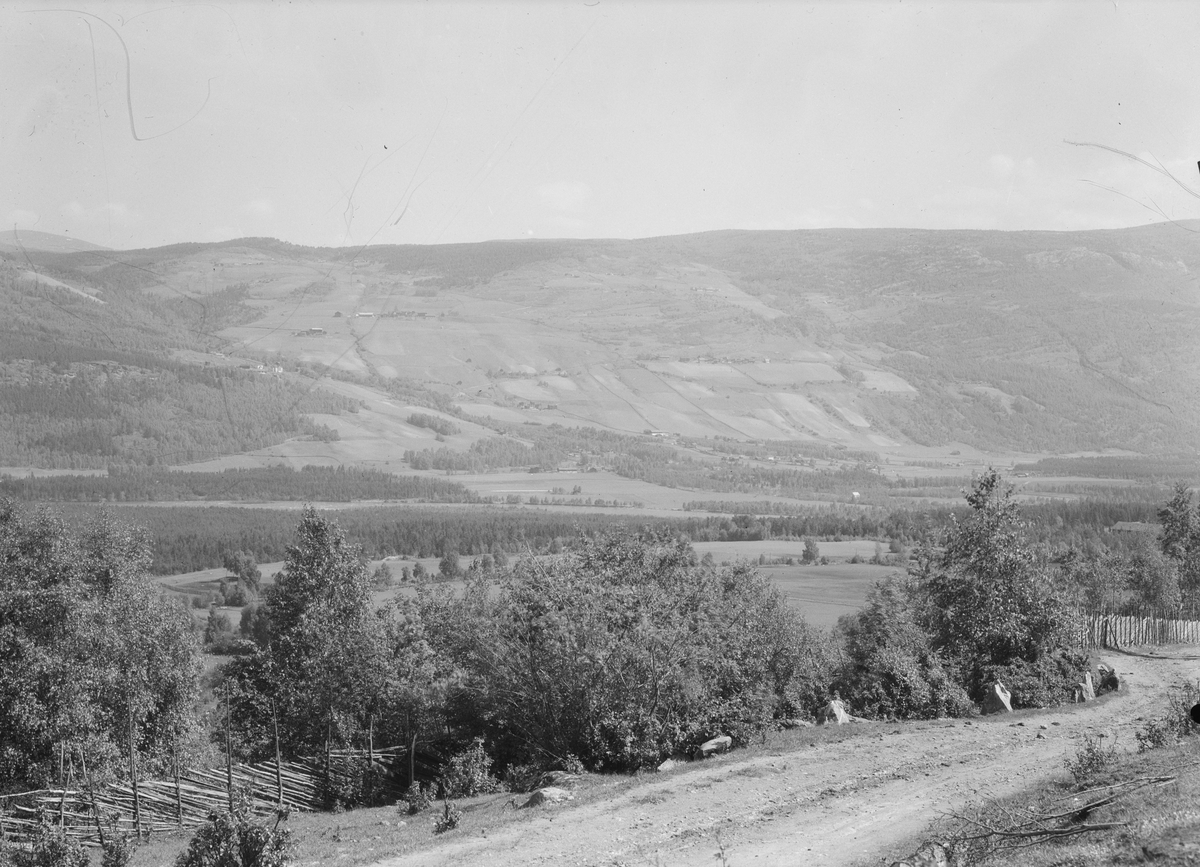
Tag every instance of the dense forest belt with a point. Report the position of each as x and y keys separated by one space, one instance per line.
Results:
x=834 y=804
x=190 y=538
x=310 y=484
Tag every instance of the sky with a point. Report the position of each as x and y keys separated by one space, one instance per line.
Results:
x=321 y=123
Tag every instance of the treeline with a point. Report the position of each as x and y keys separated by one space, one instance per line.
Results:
x=310 y=484
x=486 y=454
x=1056 y=526
x=1141 y=467
x=189 y=538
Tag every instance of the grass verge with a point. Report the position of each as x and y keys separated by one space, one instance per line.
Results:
x=1138 y=808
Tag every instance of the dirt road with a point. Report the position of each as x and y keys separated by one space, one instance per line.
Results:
x=830 y=804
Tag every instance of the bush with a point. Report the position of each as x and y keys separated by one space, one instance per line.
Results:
x=49 y=847
x=891 y=668
x=625 y=650
x=417 y=799
x=117 y=850
x=522 y=778
x=236 y=840
x=1090 y=759
x=1049 y=680
x=469 y=773
x=1176 y=724
x=449 y=819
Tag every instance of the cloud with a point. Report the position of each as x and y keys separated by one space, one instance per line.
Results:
x=565 y=195
x=1002 y=164
x=110 y=212
x=27 y=219
x=260 y=208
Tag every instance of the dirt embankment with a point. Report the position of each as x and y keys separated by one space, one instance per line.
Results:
x=830 y=804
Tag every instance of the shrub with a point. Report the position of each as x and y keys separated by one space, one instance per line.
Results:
x=236 y=840
x=417 y=799
x=449 y=819
x=1089 y=760
x=891 y=668
x=625 y=650
x=522 y=778
x=572 y=764
x=117 y=850
x=49 y=847
x=1049 y=680
x=469 y=773
x=1176 y=724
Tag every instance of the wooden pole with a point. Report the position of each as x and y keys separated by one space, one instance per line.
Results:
x=91 y=797
x=228 y=754
x=178 y=792
x=278 y=759
x=412 y=759
x=328 y=736
x=62 y=798
x=137 y=808
x=369 y=777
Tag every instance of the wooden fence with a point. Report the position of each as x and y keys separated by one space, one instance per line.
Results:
x=152 y=806
x=1098 y=629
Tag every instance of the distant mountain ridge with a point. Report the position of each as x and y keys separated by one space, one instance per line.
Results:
x=873 y=339
x=46 y=242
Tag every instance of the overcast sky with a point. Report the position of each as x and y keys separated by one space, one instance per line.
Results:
x=336 y=123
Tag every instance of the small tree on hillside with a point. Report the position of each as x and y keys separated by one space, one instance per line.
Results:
x=988 y=600
x=321 y=653
x=1180 y=539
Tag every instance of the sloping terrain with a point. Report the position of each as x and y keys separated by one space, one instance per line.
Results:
x=880 y=340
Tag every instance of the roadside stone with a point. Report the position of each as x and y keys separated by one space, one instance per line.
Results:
x=716 y=745
x=548 y=795
x=1088 y=690
x=998 y=700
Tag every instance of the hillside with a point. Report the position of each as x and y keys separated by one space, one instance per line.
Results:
x=886 y=341
x=26 y=239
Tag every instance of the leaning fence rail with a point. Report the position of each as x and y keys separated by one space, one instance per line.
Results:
x=167 y=805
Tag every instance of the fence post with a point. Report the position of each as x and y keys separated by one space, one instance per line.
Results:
x=178 y=792
x=228 y=754
x=278 y=759
x=133 y=782
x=87 y=775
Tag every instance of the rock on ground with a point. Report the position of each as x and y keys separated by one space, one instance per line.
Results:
x=998 y=700
x=548 y=794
